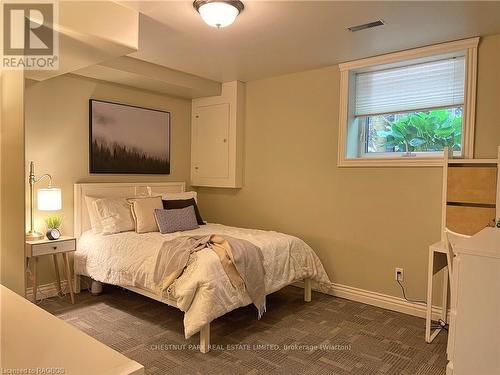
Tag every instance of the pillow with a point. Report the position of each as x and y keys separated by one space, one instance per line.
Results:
x=143 y=211
x=179 y=196
x=177 y=220
x=182 y=203
x=114 y=214
x=95 y=222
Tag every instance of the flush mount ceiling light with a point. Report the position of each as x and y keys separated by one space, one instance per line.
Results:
x=218 y=13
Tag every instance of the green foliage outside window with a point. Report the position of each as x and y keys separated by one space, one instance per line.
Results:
x=423 y=131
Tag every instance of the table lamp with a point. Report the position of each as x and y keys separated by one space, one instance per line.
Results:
x=49 y=199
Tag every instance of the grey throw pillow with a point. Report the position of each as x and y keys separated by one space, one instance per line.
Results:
x=178 y=220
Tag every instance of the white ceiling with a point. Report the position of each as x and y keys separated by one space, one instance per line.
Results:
x=271 y=38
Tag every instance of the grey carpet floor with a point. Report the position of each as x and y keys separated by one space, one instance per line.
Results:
x=326 y=336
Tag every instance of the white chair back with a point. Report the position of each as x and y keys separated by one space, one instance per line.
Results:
x=451 y=240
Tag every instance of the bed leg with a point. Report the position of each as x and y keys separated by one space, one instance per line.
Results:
x=78 y=284
x=96 y=288
x=307 y=290
x=205 y=338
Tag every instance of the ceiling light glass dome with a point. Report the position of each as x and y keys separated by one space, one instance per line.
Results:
x=218 y=13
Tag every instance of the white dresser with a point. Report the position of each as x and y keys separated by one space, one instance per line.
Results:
x=474 y=337
x=36 y=342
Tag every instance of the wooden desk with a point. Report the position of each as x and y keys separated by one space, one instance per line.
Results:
x=36 y=341
x=438 y=260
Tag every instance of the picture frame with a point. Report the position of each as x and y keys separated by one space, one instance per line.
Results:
x=128 y=139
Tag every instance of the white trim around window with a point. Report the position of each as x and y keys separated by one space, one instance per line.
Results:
x=468 y=47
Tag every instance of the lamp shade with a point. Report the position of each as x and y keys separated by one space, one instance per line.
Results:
x=49 y=199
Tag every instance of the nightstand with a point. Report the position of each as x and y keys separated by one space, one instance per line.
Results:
x=63 y=246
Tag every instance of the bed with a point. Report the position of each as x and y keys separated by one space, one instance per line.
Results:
x=203 y=291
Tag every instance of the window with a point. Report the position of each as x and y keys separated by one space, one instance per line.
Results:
x=405 y=108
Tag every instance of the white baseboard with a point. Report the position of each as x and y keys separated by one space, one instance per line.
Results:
x=342 y=291
x=381 y=300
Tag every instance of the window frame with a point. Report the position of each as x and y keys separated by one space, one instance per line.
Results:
x=347 y=70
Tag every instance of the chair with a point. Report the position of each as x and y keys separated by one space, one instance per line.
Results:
x=451 y=240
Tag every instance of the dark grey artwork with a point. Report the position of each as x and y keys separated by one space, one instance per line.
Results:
x=128 y=139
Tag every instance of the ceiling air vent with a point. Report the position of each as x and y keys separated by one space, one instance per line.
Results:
x=365 y=26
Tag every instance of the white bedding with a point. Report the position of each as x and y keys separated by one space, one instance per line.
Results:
x=203 y=291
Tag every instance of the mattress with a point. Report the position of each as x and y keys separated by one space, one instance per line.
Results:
x=203 y=291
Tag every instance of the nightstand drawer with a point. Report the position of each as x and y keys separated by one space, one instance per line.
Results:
x=51 y=248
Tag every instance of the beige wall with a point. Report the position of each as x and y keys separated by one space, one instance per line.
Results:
x=362 y=222
x=488 y=98
x=57 y=137
x=12 y=180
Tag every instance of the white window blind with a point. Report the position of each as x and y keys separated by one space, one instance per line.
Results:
x=419 y=86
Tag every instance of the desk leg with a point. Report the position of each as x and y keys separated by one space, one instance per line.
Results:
x=68 y=276
x=58 y=277
x=428 y=313
x=34 y=280
x=444 y=303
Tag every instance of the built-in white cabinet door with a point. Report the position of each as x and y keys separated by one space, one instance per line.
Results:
x=212 y=141
x=217 y=138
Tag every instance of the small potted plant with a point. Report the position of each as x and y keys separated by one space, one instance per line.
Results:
x=53 y=224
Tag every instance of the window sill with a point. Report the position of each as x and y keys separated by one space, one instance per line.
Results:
x=391 y=162
x=417 y=162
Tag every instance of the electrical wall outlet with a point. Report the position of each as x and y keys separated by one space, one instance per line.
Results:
x=398 y=274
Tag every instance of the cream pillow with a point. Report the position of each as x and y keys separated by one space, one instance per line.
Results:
x=143 y=210
x=114 y=214
x=95 y=221
x=179 y=196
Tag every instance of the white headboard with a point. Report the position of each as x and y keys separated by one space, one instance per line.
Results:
x=119 y=190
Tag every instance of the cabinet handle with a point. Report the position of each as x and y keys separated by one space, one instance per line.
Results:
x=54 y=247
x=196 y=168
x=224 y=140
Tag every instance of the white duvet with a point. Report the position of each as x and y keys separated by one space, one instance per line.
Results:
x=203 y=291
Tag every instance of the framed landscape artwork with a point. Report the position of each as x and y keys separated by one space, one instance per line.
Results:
x=128 y=139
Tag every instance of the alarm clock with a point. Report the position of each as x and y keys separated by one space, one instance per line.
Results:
x=53 y=234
